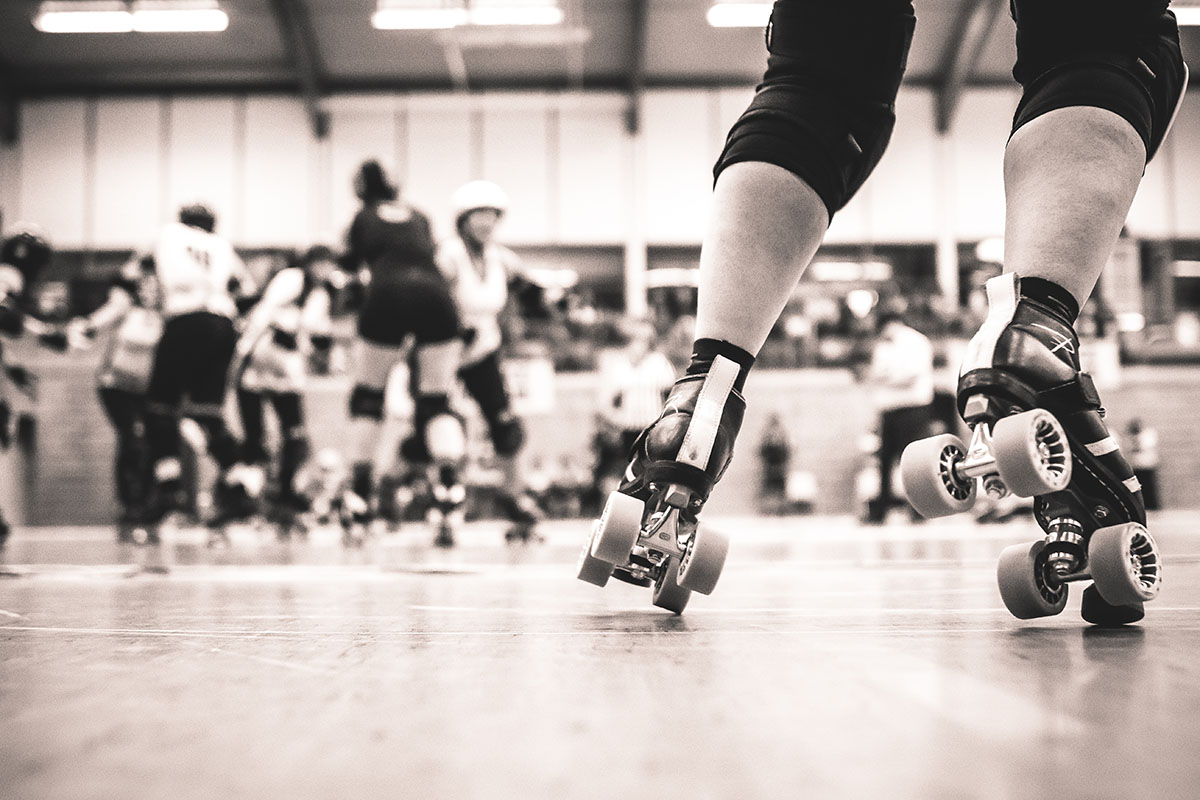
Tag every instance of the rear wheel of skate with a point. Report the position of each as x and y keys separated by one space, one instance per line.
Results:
x=618 y=529
x=668 y=593
x=1021 y=574
x=1098 y=611
x=931 y=484
x=1032 y=453
x=1124 y=564
x=702 y=562
x=592 y=570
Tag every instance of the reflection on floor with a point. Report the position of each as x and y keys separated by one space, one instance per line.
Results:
x=832 y=661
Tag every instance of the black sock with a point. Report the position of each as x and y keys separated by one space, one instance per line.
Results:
x=1057 y=300
x=704 y=351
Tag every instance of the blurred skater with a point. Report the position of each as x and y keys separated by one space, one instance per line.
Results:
x=407 y=303
x=290 y=323
x=480 y=272
x=200 y=276
x=132 y=311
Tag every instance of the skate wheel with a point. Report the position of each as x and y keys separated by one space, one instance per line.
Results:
x=1098 y=611
x=589 y=569
x=929 y=480
x=1032 y=453
x=668 y=593
x=618 y=528
x=1124 y=564
x=1021 y=574
x=702 y=562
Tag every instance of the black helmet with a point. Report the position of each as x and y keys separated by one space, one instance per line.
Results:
x=198 y=215
x=371 y=183
x=28 y=249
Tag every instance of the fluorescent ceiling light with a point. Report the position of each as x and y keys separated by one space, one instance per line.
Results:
x=442 y=14
x=1187 y=15
x=95 y=17
x=418 y=19
x=116 y=16
x=165 y=16
x=739 y=15
x=516 y=14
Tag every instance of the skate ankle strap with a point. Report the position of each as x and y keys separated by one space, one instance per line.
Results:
x=1073 y=396
x=710 y=408
x=667 y=472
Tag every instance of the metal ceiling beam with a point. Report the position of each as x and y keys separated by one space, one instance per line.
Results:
x=300 y=41
x=10 y=106
x=974 y=25
x=639 y=14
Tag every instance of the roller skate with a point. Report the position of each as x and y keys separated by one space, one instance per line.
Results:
x=524 y=514
x=446 y=511
x=648 y=533
x=1037 y=431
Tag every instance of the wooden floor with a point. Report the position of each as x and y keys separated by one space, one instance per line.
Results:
x=833 y=661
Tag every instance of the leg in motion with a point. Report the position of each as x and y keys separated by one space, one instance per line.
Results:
x=815 y=130
x=1091 y=115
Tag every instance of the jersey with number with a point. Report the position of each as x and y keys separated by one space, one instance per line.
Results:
x=480 y=291
x=196 y=270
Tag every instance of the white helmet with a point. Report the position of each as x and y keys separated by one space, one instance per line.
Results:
x=476 y=195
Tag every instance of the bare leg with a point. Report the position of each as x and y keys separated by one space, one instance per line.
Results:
x=1069 y=178
x=765 y=227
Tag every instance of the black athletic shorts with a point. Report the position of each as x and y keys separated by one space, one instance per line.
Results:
x=413 y=302
x=192 y=360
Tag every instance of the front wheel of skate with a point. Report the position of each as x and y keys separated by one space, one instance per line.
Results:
x=1032 y=453
x=590 y=569
x=1125 y=564
x=668 y=593
x=1021 y=574
x=702 y=562
x=930 y=480
x=618 y=528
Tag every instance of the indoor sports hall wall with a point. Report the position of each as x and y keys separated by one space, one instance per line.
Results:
x=102 y=173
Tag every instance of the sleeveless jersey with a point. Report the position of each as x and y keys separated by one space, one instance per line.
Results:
x=480 y=292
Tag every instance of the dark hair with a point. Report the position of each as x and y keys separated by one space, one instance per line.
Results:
x=198 y=215
x=372 y=183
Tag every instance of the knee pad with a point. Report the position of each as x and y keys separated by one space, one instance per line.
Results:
x=442 y=439
x=1119 y=55
x=508 y=435
x=826 y=107
x=366 y=402
x=446 y=439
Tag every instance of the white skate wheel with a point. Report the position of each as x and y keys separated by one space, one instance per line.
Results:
x=668 y=593
x=702 y=562
x=618 y=528
x=1032 y=454
x=1023 y=588
x=928 y=478
x=1124 y=563
x=592 y=570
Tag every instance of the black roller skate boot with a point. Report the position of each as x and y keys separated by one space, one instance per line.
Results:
x=648 y=533
x=1038 y=431
x=523 y=514
x=447 y=508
